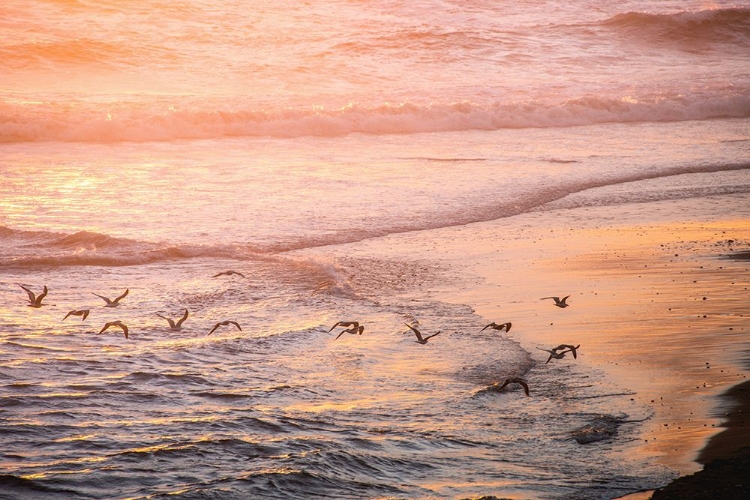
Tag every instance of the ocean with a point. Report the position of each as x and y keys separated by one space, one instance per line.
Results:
x=152 y=145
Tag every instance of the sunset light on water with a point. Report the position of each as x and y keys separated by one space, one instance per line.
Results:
x=439 y=165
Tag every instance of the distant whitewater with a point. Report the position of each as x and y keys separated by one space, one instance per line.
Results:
x=380 y=69
x=85 y=122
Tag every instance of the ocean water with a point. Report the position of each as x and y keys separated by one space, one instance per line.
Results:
x=151 y=145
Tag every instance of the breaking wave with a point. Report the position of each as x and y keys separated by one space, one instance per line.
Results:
x=713 y=26
x=22 y=121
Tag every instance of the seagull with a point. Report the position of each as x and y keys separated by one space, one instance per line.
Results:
x=572 y=348
x=353 y=324
x=497 y=327
x=515 y=380
x=115 y=323
x=558 y=301
x=224 y=323
x=112 y=303
x=75 y=312
x=35 y=300
x=554 y=354
x=420 y=339
x=353 y=330
x=228 y=273
x=172 y=325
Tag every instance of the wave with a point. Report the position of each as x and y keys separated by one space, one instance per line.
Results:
x=32 y=249
x=81 y=121
x=688 y=28
x=66 y=52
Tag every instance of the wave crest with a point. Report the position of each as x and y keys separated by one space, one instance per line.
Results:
x=694 y=27
x=158 y=121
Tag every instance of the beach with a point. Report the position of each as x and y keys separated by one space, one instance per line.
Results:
x=657 y=302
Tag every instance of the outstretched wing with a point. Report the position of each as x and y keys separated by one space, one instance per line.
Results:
x=170 y=321
x=416 y=332
x=42 y=295
x=433 y=335
x=71 y=312
x=106 y=299
x=524 y=385
x=182 y=320
x=490 y=325
x=217 y=325
x=85 y=314
x=235 y=324
x=125 y=294
x=32 y=295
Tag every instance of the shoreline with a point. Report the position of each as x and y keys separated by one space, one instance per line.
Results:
x=649 y=274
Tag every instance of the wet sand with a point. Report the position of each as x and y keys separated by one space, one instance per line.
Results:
x=656 y=302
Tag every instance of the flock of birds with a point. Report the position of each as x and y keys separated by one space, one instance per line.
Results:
x=351 y=327
x=35 y=301
x=559 y=352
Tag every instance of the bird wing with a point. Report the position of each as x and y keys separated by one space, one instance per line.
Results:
x=239 y=274
x=507 y=326
x=182 y=320
x=334 y=326
x=125 y=294
x=340 y=334
x=553 y=298
x=103 y=297
x=85 y=314
x=41 y=295
x=106 y=325
x=235 y=324
x=217 y=325
x=491 y=324
x=71 y=312
x=416 y=332
x=32 y=295
x=433 y=335
x=507 y=381
x=524 y=385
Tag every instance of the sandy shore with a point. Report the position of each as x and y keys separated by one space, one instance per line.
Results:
x=656 y=302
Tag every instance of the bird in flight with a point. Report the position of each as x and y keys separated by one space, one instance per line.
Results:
x=35 y=300
x=558 y=301
x=228 y=273
x=515 y=380
x=175 y=325
x=353 y=330
x=420 y=339
x=499 y=327
x=353 y=324
x=76 y=312
x=571 y=348
x=117 y=323
x=224 y=323
x=553 y=354
x=115 y=302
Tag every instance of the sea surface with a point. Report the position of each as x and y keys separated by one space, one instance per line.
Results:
x=151 y=145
